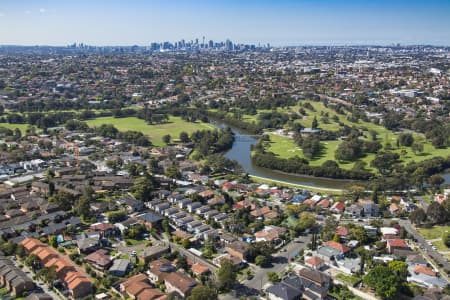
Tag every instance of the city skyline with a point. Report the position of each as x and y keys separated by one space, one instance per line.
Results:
x=280 y=23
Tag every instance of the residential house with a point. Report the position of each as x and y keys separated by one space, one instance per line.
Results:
x=191 y=207
x=14 y=279
x=394 y=244
x=99 y=259
x=138 y=287
x=159 y=269
x=153 y=252
x=120 y=267
x=315 y=263
x=179 y=283
x=238 y=249
x=150 y=219
x=338 y=207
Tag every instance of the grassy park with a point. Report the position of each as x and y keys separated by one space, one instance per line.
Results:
x=434 y=232
x=285 y=147
x=22 y=127
x=174 y=127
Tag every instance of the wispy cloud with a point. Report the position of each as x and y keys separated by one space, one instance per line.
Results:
x=2 y=14
x=27 y=12
x=42 y=10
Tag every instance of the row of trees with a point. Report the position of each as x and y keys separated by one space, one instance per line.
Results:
x=436 y=213
x=297 y=165
x=208 y=142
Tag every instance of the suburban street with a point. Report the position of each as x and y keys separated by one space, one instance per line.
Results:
x=40 y=286
x=429 y=251
x=280 y=263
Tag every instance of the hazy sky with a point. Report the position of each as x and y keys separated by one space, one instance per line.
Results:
x=279 y=22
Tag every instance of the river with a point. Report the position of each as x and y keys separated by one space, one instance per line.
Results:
x=240 y=152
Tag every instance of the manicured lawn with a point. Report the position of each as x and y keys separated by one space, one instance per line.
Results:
x=174 y=127
x=133 y=242
x=353 y=280
x=433 y=233
x=285 y=147
x=440 y=246
x=22 y=127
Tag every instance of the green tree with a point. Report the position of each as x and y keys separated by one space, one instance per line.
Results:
x=8 y=248
x=182 y=262
x=83 y=204
x=201 y=292
x=116 y=216
x=52 y=241
x=406 y=139
x=33 y=261
x=261 y=261
x=273 y=277
x=165 y=226
x=436 y=214
x=417 y=147
x=383 y=280
x=385 y=162
x=173 y=172
x=329 y=229
x=399 y=268
x=166 y=139
x=435 y=181
x=418 y=216
x=226 y=275
x=184 y=137
x=314 y=123
x=20 y=251
x=446 y=239
x=185 y=243
x=143 y=187
x=358 y=233
x=307 y=221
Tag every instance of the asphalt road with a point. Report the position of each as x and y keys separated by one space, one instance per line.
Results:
x=433 y=254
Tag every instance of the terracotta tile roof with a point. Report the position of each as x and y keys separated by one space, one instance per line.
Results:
x=136 y=278
x=136 y=288
x=424 y=270
x=398 y=243
x=182 y=282
x=338 y=246
x=324 y=203
x=99 y=258
x=50 y=257
x=30 y=244
x=314 y=261
x=342 y=231
x=151 y=294
x=199 y=269
x=338 y=206
x=74 y=279
x=102 y=227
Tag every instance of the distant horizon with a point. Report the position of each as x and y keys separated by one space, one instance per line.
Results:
x=280 y=22
x=262 y=44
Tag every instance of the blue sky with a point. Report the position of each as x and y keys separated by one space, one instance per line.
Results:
x=279 y=22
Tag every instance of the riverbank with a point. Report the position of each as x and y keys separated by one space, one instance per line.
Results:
x=306 y=187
